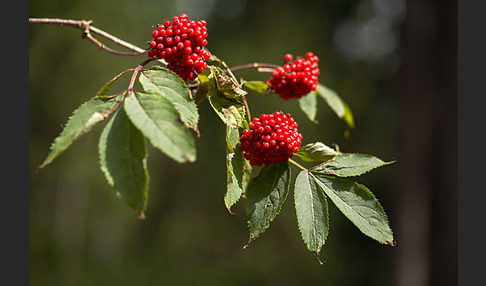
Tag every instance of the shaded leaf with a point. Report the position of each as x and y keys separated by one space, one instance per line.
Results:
x=172 y=87
x=123 y=160
x=158 y=120
x=238 y=170
x=312 y=212
x=225 y=85
x=265 y=196
x=308 y=104
x=358 y=204
x=316 y=151
x=335 y=102
x=231 y=111
x=81 y=121
x=349 y=165
x=202 y=91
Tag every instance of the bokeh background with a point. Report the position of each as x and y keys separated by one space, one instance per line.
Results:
x=393 y=61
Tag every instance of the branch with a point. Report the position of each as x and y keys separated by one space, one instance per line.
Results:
x=87 y=29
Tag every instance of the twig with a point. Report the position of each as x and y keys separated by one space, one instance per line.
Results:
x=87 y=29
x=261 y=67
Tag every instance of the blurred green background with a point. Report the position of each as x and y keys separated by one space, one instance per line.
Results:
x=80 y=233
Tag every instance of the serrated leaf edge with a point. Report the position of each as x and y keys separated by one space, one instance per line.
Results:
x=392 y=242
x=317 y=251
x=312 y=169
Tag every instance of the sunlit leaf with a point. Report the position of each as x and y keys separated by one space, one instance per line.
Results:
x=316 y=151
x=336 y=103
x=158 y=120
x=350 y=164
x=358 y=204
x=172 y=87
x=308 y=104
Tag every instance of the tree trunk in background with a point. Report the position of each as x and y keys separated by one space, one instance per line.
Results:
x=426 y=231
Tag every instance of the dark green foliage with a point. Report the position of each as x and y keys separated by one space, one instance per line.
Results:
x=166 y=111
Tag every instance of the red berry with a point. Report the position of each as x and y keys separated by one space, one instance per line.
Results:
x=295 y=79
x=261 y=143
x=180 y=43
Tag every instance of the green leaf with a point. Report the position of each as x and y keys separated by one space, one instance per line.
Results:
x=202 y=91
x=104 y=90
x=231 y=111
x=308 y=104
x=316 y=151
x=265 y=196
x=172 y=87
x=312 y=212
x=238 y=169
x=358 y=204
x=123 y=160
x=225 y=85
x=82 y=120
x=156 y=117
x=338 y=105
x=349 y=165
x=258 y=86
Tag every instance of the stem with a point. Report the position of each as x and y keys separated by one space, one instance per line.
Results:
x=261 y=67
x=135 y=73
x=297 y=164
x=86 y=27
x=247 y=109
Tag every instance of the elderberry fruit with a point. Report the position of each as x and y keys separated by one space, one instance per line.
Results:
x=270 y=139
x=180 y=43
x=296 y=78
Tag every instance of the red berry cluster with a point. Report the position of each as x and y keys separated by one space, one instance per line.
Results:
x=272 y=138
x=296 y=78
x=180 y=43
